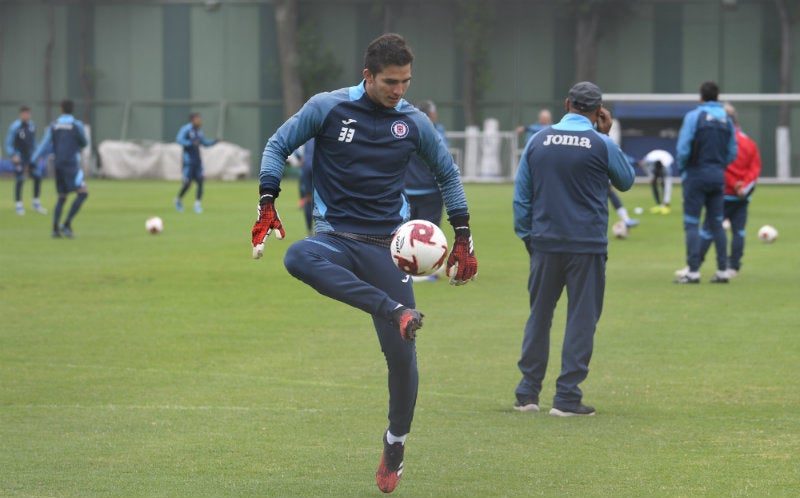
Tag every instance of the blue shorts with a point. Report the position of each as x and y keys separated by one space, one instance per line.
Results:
x=192 y=172
x=69 y=179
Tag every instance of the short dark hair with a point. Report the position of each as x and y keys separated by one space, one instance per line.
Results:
x=24 y=109
x=67 y=106
x=709 y=91
x=194 y=115
x=389 y=49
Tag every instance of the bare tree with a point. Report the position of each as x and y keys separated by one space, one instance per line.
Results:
x=86 y=73
x=786 y=59
x=2 y=15
x=48 y=61
x=473 y=31
x=591 y=16
x=286 y=23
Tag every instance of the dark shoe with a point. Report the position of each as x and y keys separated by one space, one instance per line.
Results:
x=390 y=469
x=527 y=405
x=409 y=321
x=56 y=234
x=580 y=410
x=686 y=279
x=67 y=231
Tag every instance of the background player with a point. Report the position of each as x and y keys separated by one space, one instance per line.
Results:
x=67 y=137
x=421 y=188
x=191 y=137
x=20 y=146
x=740 y=182
x=545 y=119
x=706 y=145
x=364 y=137
x=658 y=163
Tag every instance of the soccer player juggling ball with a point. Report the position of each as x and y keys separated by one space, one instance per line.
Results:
x=364 y=137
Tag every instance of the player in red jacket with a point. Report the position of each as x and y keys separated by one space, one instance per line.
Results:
x=740 y=181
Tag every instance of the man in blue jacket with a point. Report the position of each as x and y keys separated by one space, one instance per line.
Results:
x=67 y=137
x=191 y=137
x=706 y=145
x=364 y=137
x=20 y=146
x=561 y=214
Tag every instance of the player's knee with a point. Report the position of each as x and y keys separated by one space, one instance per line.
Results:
x=401 y=361
x=296 y=260
x=82 y=195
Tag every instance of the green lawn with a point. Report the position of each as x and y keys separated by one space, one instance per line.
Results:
x=175 y=365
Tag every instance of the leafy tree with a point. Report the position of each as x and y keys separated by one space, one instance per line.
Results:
x=316 y=65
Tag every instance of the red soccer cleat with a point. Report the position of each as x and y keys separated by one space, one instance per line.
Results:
x=390 y=469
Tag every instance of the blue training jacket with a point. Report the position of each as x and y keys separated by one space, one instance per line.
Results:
x=21 y=140
x=361 y=154
x=419 y=178
x=67 y=136
x=561 y=189
x=707 y=141
x=191 y=138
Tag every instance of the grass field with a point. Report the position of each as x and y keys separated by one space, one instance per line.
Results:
x=175 y=365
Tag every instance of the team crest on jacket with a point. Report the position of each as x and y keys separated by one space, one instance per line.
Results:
x=399 y=129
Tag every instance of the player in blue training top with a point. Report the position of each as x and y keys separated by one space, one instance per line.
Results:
x=20 y=146
x=421 y=188
x=364 y=137
x=706 y=145
x=191 y=138
x=545 y=119
x=561 y=214
x=67 y=137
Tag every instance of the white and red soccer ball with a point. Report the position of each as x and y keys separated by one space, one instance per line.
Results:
x=619 y=229
x=767 y=234
x=419 y=248
x=154 y=225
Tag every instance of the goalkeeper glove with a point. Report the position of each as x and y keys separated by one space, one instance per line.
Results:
x=461 y=264
x=268 y=220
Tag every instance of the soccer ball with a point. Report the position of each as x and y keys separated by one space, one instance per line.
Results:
x=418 y=248
x=154 y=225
x=619 y=229
x=767 y=234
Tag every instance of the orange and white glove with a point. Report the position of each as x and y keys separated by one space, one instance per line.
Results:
x=462 y=266
x=268 y=220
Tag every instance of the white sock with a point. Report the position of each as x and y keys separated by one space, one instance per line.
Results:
x=693 y=274
x=623 y=214
x=391 y=438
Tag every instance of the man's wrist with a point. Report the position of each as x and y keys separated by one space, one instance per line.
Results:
x=460 y=225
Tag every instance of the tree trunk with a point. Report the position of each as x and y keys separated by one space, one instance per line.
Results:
x=2 y=15
x=470 y=101
x=286 y=22
x=786 y=60
x=586 y=35
x=48 y=62
x=87 y=87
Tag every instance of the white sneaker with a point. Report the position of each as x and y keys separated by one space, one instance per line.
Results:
x=732 y=273
x=682 y=272
x=20 y=209
x=39 y=208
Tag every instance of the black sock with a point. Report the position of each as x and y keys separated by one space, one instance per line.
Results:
x=76 y=205
x=57 y=211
